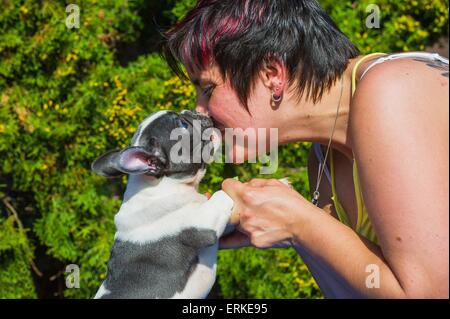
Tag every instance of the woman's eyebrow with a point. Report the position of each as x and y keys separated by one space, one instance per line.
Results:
x=201 y=82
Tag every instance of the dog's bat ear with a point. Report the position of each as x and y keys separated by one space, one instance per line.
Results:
x=136 y=160
x=107 y=164
x=132 y=160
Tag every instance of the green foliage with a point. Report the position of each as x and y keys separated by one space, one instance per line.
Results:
x=274 y=274
x=64 y=101
x=15 y=256
x=66 y=96
x=405 y=25
x=181 y=7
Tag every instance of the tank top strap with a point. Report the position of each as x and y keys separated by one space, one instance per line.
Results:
x=340 y=211
x=414 y=55
x=357 y=65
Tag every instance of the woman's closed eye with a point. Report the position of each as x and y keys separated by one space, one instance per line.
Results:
x=208 y=90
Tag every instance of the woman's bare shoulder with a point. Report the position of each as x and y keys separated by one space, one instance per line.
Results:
x=403 y=96
x=406 y=89
x=406 y=78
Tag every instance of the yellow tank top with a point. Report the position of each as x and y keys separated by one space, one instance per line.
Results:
x=363 y=225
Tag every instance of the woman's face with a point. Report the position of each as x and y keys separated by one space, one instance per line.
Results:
x=220 y=101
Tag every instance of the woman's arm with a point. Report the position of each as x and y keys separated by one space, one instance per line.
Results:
x=353 y=266
x=272 y=215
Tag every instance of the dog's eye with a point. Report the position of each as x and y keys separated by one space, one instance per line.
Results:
x=184 y=124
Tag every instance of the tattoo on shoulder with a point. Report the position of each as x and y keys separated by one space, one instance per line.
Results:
x=436 y=64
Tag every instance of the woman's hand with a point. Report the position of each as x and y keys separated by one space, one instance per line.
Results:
x=268 y=212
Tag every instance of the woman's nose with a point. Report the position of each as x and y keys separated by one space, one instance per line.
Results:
x=201 y=109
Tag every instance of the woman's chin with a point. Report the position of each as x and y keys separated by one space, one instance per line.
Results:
x=239 y=155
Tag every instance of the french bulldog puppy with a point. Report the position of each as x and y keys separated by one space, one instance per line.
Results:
x=167 y=233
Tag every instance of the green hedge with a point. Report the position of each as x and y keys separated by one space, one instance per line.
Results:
x=67 y=96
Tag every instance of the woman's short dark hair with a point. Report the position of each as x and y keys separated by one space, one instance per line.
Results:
x=242 y=35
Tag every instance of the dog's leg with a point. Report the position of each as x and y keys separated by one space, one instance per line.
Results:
x=215 y=213
x=212 y=218
x=202 y=279
x=102 y=291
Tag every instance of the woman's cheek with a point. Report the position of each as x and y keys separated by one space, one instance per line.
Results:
x=224 y=107
x=237 y=154
x=241 y=145
x=216 y=112
x=218 y=108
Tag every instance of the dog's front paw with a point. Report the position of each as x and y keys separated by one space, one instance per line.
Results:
x=221 y=205
x=222 y=200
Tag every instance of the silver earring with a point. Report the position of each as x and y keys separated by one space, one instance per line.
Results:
x=276 y=98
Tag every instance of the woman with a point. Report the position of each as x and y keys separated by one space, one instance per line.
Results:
x=378 y=228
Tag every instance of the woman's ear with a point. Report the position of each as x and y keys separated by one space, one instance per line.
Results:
x=273 y=75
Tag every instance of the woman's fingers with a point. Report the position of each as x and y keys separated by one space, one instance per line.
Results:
x=233 y=188
x=261 y=182
x=234 y=240
x=265 y=209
